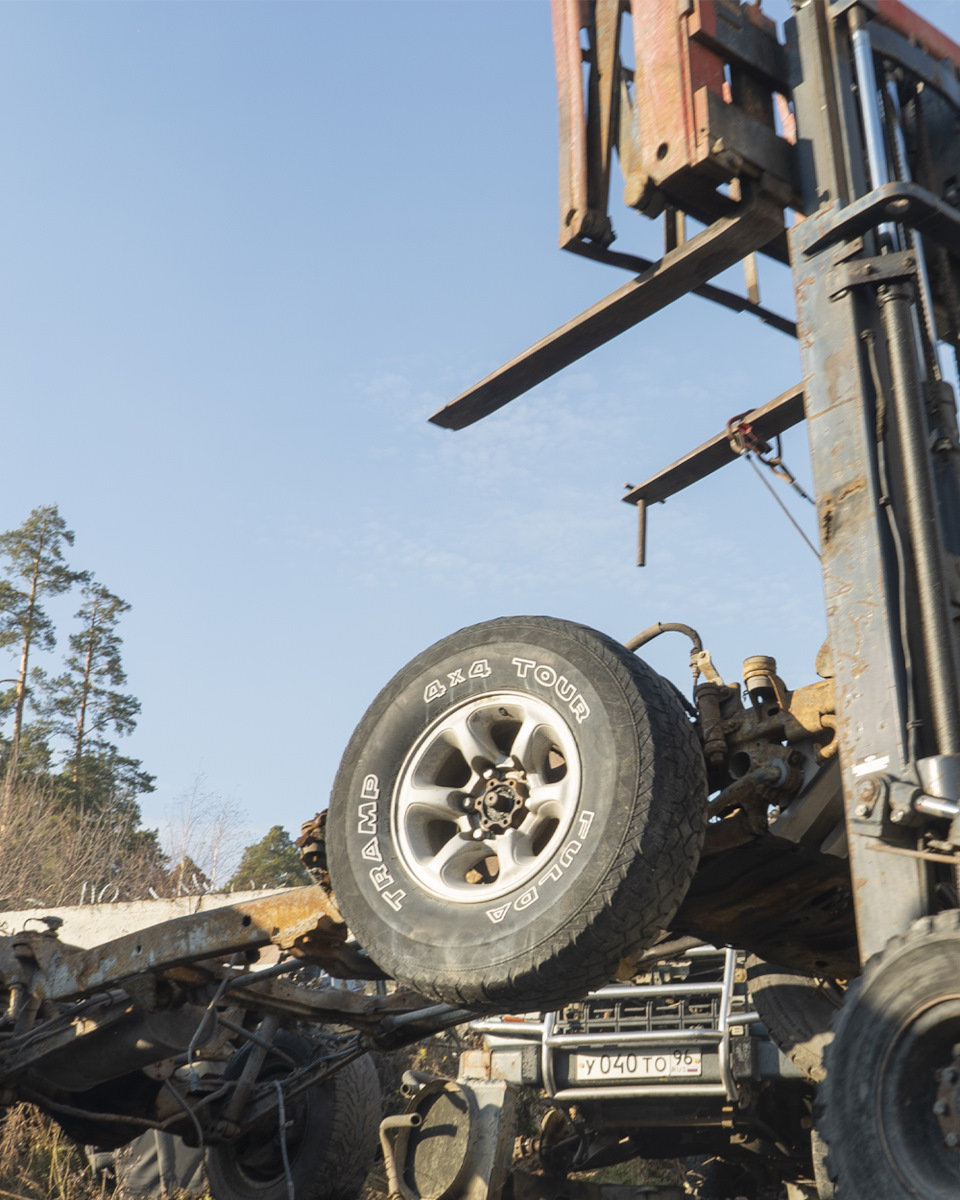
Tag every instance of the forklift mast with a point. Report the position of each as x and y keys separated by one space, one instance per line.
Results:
x=836 y=152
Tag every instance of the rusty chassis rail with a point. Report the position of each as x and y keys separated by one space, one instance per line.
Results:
x=79 y=1020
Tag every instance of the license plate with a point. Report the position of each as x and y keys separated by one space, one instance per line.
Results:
x=592 y=1068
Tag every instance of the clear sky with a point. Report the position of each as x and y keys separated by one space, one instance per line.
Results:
x=247 y=249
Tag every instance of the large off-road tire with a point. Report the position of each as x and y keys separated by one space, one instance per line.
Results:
x=331 y=1141
x=889 y=1109
x=520 y=808
x=798 y=1011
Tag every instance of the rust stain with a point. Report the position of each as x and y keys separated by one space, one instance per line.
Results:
x=827 y=513
x=850 y=489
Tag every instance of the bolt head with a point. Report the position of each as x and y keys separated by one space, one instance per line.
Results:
x=867 y=790
x=952 y=1140
x=940 y=1108
x=948 y=1075
x=862 y=810
x=896 y=817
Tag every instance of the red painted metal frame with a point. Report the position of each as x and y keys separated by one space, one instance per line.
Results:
x=905 y=21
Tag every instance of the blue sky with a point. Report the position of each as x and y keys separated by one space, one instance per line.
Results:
x=248 y=249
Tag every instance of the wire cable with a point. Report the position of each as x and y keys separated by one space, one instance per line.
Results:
x=283 y=1140
x=790 y=517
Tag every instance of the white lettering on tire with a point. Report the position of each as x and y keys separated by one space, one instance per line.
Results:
x=479 y=669
x=547 y=677
x=565 y=689
x=381 y=877
x=532 y=895
x=394 y=899
x=566 y=857
x=367 y=825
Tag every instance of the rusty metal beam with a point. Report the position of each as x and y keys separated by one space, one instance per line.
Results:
x=778 y=414
x=707 y=291
x=305 y=921
x=717 y=247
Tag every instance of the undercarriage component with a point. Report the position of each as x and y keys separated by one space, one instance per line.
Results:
x=798 y=1011
x=168 y=1028
x=783 y=902
x=322 y=1141
x=454 y=1140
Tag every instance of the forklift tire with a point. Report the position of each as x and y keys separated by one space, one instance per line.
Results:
x=521 y=808
x=332 y=1137
x=889 y=1109
x=798 y=1011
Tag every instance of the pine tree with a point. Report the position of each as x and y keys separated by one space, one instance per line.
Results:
x=186 y=878
x=272 y=862
x=84 y=703
x=35 y=569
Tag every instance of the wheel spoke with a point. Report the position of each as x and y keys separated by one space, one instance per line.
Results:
x=451 y=863
x=514 y=850
x=523 y=744
x=555 y=796
x=429 y=798
x=473 y=740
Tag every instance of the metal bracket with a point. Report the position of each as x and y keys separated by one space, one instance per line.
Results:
x=883 y=268
x=907 y=203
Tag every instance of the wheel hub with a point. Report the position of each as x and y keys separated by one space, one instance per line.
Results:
x=501 y=804
x=946 y=1107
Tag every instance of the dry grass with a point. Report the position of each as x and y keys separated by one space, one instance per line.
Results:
x=38 y=1161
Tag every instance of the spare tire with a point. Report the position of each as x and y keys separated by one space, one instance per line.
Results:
x=520 y=808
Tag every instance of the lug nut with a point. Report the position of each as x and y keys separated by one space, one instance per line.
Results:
x=952 y=1140
x=940 y=1107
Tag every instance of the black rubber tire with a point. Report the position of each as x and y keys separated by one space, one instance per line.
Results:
x=331 y=1145
x=798 y=1011
x=896 y=1030
x=639 y=823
